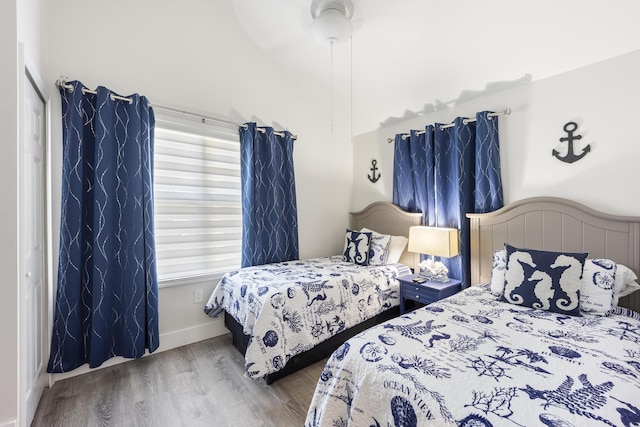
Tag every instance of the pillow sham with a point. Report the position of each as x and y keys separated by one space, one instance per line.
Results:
x=356 y=247
x=396 y=248
x=544 y=280
x=379 y=250
x=624 y=283
x=597 y=288
x=498 y=270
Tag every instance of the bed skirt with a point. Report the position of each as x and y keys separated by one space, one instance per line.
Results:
x=309 y=357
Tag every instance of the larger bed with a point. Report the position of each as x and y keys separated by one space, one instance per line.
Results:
x=287 y=315
x=482 y=358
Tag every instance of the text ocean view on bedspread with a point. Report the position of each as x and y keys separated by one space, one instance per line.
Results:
x=472 y=360
x=289 y=307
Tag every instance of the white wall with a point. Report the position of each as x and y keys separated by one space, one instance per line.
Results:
x=603 y=99
x=31 y=28
x=192 y=55
x=8 y=212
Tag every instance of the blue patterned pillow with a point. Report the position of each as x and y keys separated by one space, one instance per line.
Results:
x=379 y=252
x=544 y=280
x=356 y=247
x=498 y=270
x=597 y=291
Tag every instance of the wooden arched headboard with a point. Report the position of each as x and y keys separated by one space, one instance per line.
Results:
x=555 y=224
x=387 y=218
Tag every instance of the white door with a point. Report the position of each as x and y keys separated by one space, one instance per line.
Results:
x=32 y=242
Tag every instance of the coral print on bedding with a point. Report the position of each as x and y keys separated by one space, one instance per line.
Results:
x=473 y=360
x=289 y=307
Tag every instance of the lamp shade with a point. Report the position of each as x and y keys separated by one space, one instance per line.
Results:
x=436 y=241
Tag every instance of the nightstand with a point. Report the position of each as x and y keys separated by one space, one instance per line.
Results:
x=426 y=292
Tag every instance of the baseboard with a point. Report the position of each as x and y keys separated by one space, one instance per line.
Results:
x=192 y=334
x=168 y=341
x=9 y=424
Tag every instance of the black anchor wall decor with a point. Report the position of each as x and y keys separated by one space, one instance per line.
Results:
x=571 y=157
x=373 y=177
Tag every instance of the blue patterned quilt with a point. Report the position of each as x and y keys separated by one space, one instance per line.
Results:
x=471 y=360
x=289 y=307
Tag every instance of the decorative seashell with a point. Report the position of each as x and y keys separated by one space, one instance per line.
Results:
x=604 y=263
x=387 y=339
x=473 y=420
x=277 y=362
x=403 y=413
x=270 y=339
x=278 y=300
x=342 y=351
x=372 y=352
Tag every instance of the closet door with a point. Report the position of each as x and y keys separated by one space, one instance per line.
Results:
x=32 y=247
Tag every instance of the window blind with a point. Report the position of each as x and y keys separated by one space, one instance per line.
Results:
x=198 y=207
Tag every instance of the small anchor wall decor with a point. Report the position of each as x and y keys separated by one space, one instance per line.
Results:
x=373 y=178
x=571 y=157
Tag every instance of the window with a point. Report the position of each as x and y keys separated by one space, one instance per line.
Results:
x=198 y=206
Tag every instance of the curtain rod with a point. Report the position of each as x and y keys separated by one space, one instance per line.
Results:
x=216 y=119
x=61 y=82
x=506 y=112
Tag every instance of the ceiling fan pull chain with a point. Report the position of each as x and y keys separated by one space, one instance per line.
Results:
x=351 y=86
x=331 y=86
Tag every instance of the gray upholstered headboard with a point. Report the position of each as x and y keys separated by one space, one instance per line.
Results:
x=555 y=224
x=387 y=218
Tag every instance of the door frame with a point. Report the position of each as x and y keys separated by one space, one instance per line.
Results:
x=28 y=72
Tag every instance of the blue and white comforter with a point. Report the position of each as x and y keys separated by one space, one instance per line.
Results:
x=289 y=307
x=471 y=360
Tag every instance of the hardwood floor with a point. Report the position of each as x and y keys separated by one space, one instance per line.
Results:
x=201 y=384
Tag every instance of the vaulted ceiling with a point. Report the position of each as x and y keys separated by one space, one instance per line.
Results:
x=409 y=56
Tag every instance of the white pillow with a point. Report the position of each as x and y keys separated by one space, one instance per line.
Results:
x=625 y=282
x=379 y=250
x=398 y=243
x=498 y=271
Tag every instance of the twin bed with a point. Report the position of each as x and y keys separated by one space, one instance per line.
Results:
x=285 y=316
x=517 y=349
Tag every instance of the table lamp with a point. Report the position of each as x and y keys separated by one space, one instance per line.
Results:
x=434 y=241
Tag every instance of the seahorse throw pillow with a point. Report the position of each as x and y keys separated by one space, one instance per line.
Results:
x=356 y=247
x=544 y=280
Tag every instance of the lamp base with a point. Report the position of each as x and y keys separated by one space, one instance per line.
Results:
x=443 y=278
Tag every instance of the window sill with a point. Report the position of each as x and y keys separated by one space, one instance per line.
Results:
x=191 y=280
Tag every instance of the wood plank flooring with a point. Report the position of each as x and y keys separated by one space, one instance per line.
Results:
x=201 y=384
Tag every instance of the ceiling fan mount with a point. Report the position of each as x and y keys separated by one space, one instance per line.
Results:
x=331 y=20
